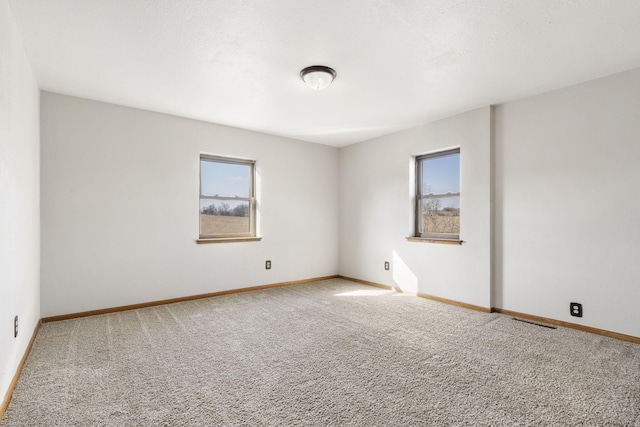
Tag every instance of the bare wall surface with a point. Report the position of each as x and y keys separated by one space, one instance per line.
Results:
x=568 y=204
x=19 y=198
x=376 y=211
x=120 y=207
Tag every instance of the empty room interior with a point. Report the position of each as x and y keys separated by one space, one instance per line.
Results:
x=416 y=212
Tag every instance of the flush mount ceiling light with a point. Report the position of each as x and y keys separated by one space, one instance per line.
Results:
x=318 y=76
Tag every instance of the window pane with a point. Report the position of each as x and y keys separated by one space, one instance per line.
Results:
x=224 y=179
x=440 y=215
x=441 y=175
x=224 y=217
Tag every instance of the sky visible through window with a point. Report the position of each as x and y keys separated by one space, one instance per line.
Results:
x=224 y=179
x=441 y=175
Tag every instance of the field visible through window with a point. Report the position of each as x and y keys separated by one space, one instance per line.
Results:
x=227 y=202
x=218 y=224
x=441 y=222
x=438 y=195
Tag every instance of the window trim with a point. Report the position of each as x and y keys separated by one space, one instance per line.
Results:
x=229 y=237
x=447 y=238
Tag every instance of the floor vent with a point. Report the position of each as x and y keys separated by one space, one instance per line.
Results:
x=534 y=323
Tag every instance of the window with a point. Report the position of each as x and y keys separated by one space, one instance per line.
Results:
x=227 y=199
x=438 y=195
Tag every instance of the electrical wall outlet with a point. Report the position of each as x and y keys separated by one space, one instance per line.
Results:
x=15 y=327
x=575 y=309
x=386 y=265
x=267 y=265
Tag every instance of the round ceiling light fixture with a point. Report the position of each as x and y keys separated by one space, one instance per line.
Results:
x=318 y=77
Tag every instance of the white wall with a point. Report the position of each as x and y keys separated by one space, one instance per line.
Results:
x=568 y=203
x=120 y=207
x=19 y=198
x=376 y=211
x=566 y=186
x=567 y=206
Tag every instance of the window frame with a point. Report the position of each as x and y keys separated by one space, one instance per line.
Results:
x=230 y=237
x=419 y=235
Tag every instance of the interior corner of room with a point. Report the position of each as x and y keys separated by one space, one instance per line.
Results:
x=98 y=207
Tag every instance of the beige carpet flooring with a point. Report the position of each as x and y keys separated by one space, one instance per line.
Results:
x=331 y=353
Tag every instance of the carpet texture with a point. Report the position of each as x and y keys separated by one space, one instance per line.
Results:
x=331 y=353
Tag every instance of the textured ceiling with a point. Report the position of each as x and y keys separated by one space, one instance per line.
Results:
x=400 y=63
